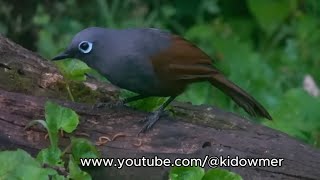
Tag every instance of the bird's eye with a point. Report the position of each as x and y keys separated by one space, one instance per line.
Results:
x=85 y=47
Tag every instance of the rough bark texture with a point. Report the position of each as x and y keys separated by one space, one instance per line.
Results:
x=27 y=81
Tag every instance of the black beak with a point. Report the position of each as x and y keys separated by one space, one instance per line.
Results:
x=61 y=56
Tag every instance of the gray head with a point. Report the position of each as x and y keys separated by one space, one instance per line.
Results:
x=84 y=44
x=107 y=50
x=122 y=56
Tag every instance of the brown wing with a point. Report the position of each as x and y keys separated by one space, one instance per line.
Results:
x=182 y=61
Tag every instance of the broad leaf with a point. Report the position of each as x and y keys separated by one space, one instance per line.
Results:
x=186 y=173
x=83 y=148
x=51 y=156
x=221 y=174
x=20 y=165
x=76 y=172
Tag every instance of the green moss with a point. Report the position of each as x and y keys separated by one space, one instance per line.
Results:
x=12 y=81
x=82 y=93
x=216 y=121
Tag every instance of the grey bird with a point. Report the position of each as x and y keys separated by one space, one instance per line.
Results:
x=152 y=62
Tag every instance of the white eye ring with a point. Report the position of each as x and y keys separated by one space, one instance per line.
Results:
x=85 y=47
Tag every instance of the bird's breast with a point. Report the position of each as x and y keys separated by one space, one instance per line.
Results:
x=134 y=74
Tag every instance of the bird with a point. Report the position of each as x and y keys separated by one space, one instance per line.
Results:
x=153 y=62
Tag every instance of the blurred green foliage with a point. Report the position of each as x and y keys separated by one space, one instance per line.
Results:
x=198 y=173
x=265 y=46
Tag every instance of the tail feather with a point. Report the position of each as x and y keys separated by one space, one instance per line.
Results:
x=239 y=96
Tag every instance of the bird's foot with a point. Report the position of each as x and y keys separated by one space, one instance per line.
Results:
x=119 y=103
x=150 y=120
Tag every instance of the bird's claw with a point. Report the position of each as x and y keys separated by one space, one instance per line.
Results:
x=149 y=121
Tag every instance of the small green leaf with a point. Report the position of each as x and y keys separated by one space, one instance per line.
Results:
x=33 y=122
x=147 y=104
x=73 y=69
x=76 y=172
x=51 y=156
x=82 y=148
x=58 y=177
x=186 y=173
x=93 y=74
x=221 y=174
x=20 y=165
x=59 y=117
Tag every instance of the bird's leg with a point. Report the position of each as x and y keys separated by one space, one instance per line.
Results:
x=120 y=103
x=155 y=116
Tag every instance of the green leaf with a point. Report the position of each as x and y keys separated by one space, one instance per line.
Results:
x=39 y=121
x=58 y=177
x=147 y=104
x=20 y=165
x=221 y=174
x=76 y=172
x=83 y=148
x=59 y=117
x=51 y=156
x=271 y=13
x=73 y=69
x=186 y=173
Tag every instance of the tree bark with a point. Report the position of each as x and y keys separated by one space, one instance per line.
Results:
x=27 y=81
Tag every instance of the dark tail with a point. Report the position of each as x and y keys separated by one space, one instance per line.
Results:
x=243 y=99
